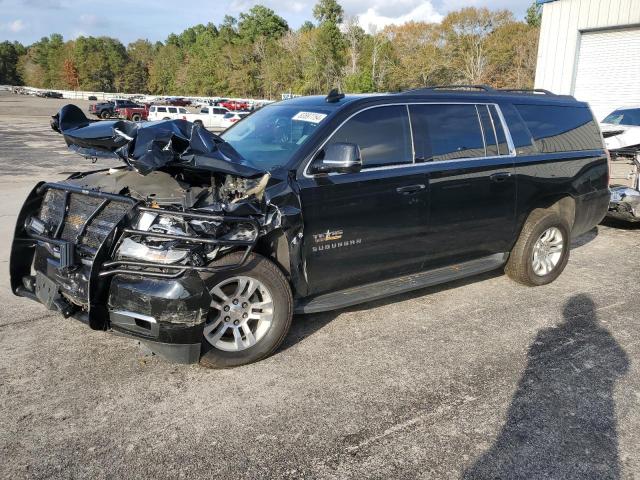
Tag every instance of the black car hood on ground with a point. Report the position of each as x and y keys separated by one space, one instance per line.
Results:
x=149 y=146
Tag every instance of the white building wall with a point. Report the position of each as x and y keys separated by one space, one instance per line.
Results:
x=563 y=22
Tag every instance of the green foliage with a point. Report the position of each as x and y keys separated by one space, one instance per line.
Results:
x=9 y=56
x=258 y=55
x=261 y=22
x=534 y=15
x=100 y=62
x=328 y=11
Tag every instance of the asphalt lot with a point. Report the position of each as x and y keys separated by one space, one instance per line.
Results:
x=481 y=378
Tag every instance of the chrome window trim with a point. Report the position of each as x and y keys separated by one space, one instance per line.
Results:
x=507 y=132
x=493 y=127
x=482 y=132
x=413 y=143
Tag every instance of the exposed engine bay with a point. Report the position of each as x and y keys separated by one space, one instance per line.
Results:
x=165 y=198
x=623 y=143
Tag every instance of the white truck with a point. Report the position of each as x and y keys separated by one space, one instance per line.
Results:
x=210 y=117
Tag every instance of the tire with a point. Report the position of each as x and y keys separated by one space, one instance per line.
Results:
x=104 y=114
x=199 y=123
x=166 y=118
x=277 y=288
x=521 y=266
x=136 y=117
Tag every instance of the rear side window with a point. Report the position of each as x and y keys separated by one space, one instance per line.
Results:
x=182 y=110
x=173 y=110
x=447 y=132
x=561 y=129
x=382 y=133
x=162 y=109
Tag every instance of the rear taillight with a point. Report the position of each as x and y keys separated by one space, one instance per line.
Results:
x=233 y=120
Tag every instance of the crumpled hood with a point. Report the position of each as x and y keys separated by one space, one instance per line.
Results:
x=620 y=136
x=149 y=146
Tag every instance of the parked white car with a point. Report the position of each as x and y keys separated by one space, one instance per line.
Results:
x=167 y=112
x=209 y=117
x=232 y=117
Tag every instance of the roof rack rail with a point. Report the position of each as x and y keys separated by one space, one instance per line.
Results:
x=533 y=91
x=485 y=88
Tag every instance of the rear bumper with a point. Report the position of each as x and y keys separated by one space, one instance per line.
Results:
x=591 y=209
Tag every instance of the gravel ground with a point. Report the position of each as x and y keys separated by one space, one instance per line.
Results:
x=481 y=378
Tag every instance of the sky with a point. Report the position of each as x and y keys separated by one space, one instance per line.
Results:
x=29 y=20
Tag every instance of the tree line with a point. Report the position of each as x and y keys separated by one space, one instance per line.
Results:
x=257 y=54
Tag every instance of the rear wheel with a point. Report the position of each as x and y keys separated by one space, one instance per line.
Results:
x=542 y=250
x=136 y=117
x=199 y=123
x=250 y=312
x=104 y=114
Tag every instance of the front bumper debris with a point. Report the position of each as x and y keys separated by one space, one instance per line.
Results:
x=62 y=257
x=624 y=204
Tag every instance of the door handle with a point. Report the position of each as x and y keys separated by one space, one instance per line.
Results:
x=500 y=177
x=410 y=189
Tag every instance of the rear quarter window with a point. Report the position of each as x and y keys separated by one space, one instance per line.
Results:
x=560 y=128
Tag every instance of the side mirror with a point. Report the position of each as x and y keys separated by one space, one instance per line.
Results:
x=338 y=158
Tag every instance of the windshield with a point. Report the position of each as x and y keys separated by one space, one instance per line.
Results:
x=269 y=137
x=624 y=117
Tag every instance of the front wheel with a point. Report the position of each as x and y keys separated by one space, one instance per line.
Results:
x=250 y=314
x=104 y=114
x=542 y=250
x=136 y=117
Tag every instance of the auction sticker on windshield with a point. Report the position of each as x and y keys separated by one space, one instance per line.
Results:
x=312 y=117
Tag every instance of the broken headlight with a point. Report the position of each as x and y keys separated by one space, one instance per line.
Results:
x=155 y=249
x=139 y=251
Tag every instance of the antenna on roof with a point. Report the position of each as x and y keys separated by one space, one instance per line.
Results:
x=334 y=96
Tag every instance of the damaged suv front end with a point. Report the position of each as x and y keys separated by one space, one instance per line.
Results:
x=621 y=132
x=130 y=248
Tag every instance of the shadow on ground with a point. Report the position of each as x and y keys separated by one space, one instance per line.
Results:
x=613 y=223
x=562 y=422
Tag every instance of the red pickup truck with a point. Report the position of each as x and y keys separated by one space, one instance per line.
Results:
x=134 y=114
x=235 y=105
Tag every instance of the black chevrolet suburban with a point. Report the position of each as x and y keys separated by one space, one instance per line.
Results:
x=204 y=246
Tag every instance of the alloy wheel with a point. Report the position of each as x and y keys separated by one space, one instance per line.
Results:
x=547 y=251
x=241 y=314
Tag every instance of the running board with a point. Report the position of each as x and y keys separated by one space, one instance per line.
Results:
x=394 y=286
